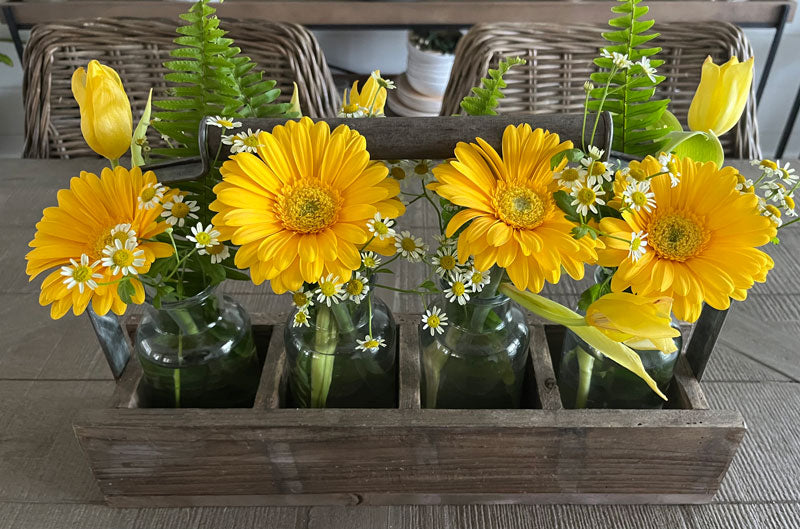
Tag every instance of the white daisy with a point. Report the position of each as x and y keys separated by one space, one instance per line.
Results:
x=586 y=198
x=356 y=288
x=151 y=195
x=243 y=142
x=301 y=319
x=595 y=171
x=329 y=290
x=621 y=60
x=223 y=123
x=638 y=196
x=302 y=299
x=123 y=233
x=444 y=241
x=595 y=153
x=218 y=252
x=638 y=245
x=381 y=228
x=81 y=274
x=203 y=237
x=177 y=211
x=773 y=214
x=370 y=260
x=410 y=247
x=385 y=83
x=786 y=173
x=788 y=205
x=648 y=70
x=457 y=291
x=477 y=279
x=125 y=258
x=445 y=261
x=669 y=165
x=435 y=320
x=569 y=177
x=370 y=344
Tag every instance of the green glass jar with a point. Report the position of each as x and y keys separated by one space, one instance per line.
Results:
x=331 y=366
x=197 y=353
x=478 y=361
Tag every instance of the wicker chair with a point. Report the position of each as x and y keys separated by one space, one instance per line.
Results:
x=560 y=61
x=137 y=49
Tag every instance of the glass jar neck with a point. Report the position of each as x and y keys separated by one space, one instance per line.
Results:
x=188 y=316
x=479 y=315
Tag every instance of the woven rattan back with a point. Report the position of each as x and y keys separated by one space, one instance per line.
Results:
x=136 y=49
x=560 y=61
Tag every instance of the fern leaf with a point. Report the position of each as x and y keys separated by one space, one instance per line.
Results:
x=630 y=92
x=486 y=97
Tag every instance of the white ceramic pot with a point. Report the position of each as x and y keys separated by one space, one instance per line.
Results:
x=428 y=71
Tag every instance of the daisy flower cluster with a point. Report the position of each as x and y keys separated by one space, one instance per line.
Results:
x=775 y=188
x=596 y=189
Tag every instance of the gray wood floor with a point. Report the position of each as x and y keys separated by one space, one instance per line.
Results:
x=49 y=370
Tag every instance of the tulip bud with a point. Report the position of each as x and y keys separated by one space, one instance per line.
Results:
x=721 y=96
x=106 y=118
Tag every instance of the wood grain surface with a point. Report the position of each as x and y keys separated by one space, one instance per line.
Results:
x=49 y=371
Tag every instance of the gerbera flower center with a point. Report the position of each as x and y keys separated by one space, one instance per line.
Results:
x=179 y=210
x=355 y=287
x=447 y=262
x=520 y=207
x=677 y=236
x=308 y=208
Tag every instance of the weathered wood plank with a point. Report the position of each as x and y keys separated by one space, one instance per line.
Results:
x=687 y=388
x=408 y=368
x=434 y=137
x=269 y=395
x=541 y=361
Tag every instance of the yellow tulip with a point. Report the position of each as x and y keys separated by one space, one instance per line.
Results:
x=369 y=101
x=106 y=118
x=639 y=322
x=721 y=96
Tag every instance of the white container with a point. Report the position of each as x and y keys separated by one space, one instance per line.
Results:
x=428 y=71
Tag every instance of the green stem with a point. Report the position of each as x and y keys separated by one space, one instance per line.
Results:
x=585 y=366
x=176 y=373
x=186 y=325
x=114 y=163
x=322 y=357
x=489 y=291
x=602 y=104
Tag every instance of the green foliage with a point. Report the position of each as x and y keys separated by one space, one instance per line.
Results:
x=637 y=127
x=5 y=59
x=485 y=100
x=211 y=77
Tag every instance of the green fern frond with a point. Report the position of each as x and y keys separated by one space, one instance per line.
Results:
x=209 y=77
x=486 y=97
x=636 y=115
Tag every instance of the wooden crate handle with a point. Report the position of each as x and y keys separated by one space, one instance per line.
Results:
x=430 y=138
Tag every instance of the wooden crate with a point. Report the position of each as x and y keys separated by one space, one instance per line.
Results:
x=271 y=455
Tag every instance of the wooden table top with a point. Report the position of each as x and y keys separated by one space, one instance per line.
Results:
x=50 y=369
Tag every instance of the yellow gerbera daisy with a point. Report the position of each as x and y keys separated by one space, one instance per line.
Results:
x=701 y=240
x=514 y=220
x=299 y=209
x=81 y=225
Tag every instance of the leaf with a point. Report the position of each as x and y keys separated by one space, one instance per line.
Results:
x=429 y=286
x=486 y=97
x=126 y=291
x=699 y=146
x=5 y=59
x=140 y=134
